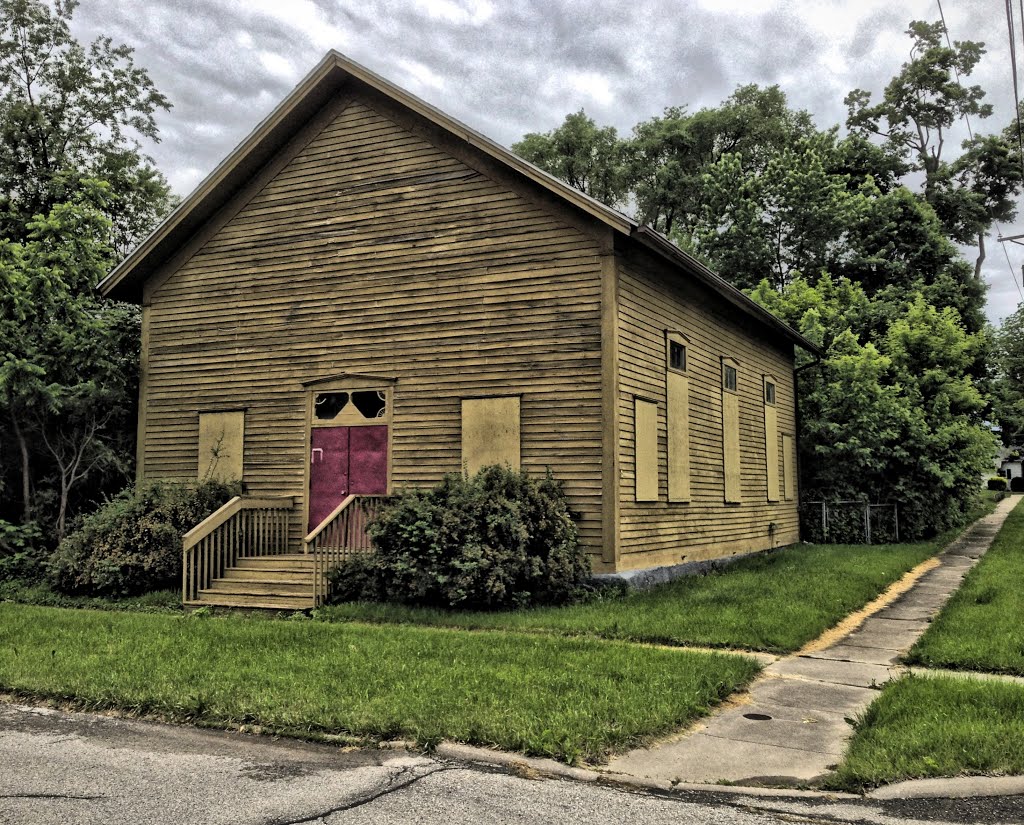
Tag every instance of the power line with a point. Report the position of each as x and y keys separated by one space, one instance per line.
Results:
x=1013 y=273
x=1016 y=103
x=1013 y=66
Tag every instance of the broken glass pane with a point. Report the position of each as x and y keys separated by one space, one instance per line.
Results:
x=370 y=403
x=328 y=404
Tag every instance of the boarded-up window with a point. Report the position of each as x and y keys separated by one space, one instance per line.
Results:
x=221 y=440
x=646 y=433
x=731 y=430
x=490 y=432
x=771 y=438
x=678 y=437
x=789 y=466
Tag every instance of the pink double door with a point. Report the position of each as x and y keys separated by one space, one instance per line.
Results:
x=345 y=461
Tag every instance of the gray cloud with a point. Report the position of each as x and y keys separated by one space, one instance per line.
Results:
x=224 y=65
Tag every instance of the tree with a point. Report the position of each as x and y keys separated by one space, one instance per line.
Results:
x=1008 y=378
x=923 y=100
x=920 y=105
x=67 y=378
x=668 y=155
x=789 y=217
x=898 y=418
x=76 y=193
x=69 y=114
x=582 y=154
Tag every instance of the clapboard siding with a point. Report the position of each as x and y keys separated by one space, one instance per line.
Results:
x=654 y=298
x=373 y=251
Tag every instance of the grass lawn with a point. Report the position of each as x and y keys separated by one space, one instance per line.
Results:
x=775 y=603
x=982 y=626
x=936 y=726
x=572 y=699
x=39 y=593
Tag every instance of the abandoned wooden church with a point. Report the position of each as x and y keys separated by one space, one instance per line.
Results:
x=366 y=295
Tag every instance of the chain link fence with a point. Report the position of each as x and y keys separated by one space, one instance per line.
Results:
x=849 y=522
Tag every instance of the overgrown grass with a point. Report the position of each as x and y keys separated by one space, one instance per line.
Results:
x=571 y=699
x=776 y=602
x=40 y=593
x=936 y=726
x=982 y=625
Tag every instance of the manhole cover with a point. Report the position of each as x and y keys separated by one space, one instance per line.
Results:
x=757 y=717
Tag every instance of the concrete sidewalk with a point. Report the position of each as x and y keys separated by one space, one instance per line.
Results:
x=791 y=728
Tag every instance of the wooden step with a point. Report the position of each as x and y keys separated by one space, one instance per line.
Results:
x=252 y=574
x=254 y=602
x=262 y=588
x=283 y=561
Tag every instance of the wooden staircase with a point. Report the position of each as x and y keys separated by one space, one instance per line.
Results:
x=233 y=559
x=277 y=582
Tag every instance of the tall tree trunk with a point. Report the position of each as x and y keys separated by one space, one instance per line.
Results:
x=981 y=255
x=62 y=513
x=26 y=471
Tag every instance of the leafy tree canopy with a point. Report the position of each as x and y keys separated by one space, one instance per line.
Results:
x=68 y=113
x=894 y=416
x=918 y=108
x=76 y=193
x=67 y=364
x=583 y=155
x=1008 y=378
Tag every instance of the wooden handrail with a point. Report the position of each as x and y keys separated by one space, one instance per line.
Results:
x=241 y=528
x=224 y=513
x=345 y=502
x=337 y=537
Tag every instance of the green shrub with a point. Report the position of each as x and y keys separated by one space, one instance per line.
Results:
x=997 y=483
x=132 y=543
x=1017 y=484
x=497 y=540
x=21 y=551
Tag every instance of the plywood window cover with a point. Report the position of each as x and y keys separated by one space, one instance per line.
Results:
x=231 y=465
x=789 y=472
x=774 y=470
x=502 y=447
x=675 y=337
x=646 y=484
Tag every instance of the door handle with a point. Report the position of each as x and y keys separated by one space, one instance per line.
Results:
x=313 y=456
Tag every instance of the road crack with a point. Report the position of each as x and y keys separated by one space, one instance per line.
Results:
x=49 y=796
x=398 y=781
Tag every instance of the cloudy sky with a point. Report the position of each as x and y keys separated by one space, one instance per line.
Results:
x=508 y=67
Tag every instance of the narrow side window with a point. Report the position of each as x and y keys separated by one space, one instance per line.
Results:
x=731 y=430
x=677 y=400
x=771 y=438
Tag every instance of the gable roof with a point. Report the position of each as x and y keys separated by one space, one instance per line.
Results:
x=313 y=92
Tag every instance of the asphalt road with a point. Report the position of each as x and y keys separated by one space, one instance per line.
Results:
x=79 y=769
